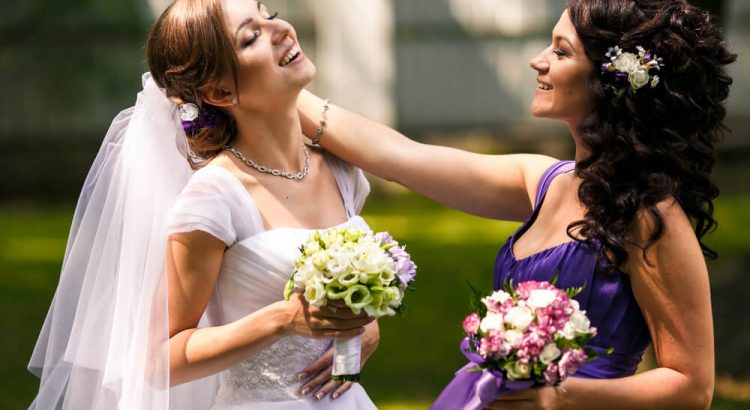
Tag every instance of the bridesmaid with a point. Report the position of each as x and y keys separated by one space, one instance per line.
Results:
x=627 y=216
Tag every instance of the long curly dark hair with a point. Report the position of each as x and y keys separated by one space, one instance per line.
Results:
x=657 y=143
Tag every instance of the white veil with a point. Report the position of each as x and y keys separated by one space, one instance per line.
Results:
x=105 y=342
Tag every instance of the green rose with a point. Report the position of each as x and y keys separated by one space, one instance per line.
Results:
x=357 y=297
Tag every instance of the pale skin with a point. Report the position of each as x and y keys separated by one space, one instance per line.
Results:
x=268 y=130
x=672 y=289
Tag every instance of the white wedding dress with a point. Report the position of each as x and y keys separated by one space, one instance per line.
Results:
x=255 y=268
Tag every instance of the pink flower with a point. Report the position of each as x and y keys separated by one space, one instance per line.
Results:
x=493 y=345
x=570 y=361
x=471 y=324
x=524 y=288
x=551 y=374
x=532 y=344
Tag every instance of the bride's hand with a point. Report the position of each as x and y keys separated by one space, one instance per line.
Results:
x=318 y=373
x=326 y=322
x=538 y=398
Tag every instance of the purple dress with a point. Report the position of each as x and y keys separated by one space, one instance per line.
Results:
x=607 y=299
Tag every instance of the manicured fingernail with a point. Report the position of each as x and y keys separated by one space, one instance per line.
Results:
x=302 y=376
x=305 y=391
x=335 y=396
x=319 y=396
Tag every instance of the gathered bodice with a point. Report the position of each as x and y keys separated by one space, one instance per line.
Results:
x=607 y=297
x=253 y=275
x=255 y=268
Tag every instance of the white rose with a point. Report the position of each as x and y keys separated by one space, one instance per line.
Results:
x=575 y=304
x=338 y=263
x=580 y=322
x=305 y=273
x=493 y=321
x=519 y=317
x=315 y=293
x=549 y=353
x=320 y=260
x=519 y=370
x=639 y=78
x=513 y=337
x=393 y=296
x=568 y=331
x=372 y=260
x=500 y=296
x=627 y=62
x=311 y=247
x=188 y=111
x=540 y=298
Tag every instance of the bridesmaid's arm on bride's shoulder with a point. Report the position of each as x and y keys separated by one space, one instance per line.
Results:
x=491 y=186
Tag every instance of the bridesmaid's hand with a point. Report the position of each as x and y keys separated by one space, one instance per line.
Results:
x=318 y=373
x=538 y=398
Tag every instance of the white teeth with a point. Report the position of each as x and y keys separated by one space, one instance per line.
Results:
x=290 y=55
x=543 y=86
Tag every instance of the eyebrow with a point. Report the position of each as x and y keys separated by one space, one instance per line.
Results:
x=563 y=38
x=243 y=24
x=246 y=22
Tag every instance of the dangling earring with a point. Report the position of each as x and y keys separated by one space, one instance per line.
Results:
x=234 y=100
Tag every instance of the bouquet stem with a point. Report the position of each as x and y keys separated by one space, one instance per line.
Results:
x=346 y=359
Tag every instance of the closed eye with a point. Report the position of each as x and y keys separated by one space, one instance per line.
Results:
x=559 y=53
x=252 y=39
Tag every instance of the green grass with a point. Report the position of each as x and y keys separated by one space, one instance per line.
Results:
x=418 y=352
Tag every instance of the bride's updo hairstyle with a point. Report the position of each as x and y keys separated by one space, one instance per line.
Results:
x=188 y=50
x=659 y=142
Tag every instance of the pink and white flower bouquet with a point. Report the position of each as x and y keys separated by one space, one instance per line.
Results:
x=533 y=334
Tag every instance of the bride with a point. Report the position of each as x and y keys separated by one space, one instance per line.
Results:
x=187 y=228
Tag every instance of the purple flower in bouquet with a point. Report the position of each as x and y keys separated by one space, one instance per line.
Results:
x=406 y=270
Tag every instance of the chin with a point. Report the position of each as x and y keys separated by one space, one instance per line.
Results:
x=307 y=73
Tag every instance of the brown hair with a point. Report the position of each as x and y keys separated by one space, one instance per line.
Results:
x=188 y=49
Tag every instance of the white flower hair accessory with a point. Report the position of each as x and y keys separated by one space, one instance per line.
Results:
x=626 y=72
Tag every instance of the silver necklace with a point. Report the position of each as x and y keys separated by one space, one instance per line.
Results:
x=273 y=171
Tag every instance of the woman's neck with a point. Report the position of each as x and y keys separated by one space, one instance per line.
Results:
x=582 y=152
x=271 y=138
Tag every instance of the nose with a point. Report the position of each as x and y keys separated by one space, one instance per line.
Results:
x=540 y=63
x=281 y=30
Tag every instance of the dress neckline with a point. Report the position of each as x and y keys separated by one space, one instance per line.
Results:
x=235 y=181
x=557 y=169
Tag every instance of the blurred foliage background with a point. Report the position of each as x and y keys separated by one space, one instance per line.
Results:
x=444 y=71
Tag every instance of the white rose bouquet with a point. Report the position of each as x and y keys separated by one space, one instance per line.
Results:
x=366 y=271
x=517 y=338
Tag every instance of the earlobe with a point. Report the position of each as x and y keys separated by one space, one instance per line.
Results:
x=219 y=97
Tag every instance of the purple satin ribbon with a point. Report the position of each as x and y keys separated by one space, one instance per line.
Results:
x=473 y=390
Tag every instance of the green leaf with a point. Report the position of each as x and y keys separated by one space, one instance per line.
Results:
x=475 y=300
x=508 y=287
x=555 y=278
x=475 y=369
x=573 y=292
x=289 y=288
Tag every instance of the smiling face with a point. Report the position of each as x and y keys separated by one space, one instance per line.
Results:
x=271 y=64
x=563 y=70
